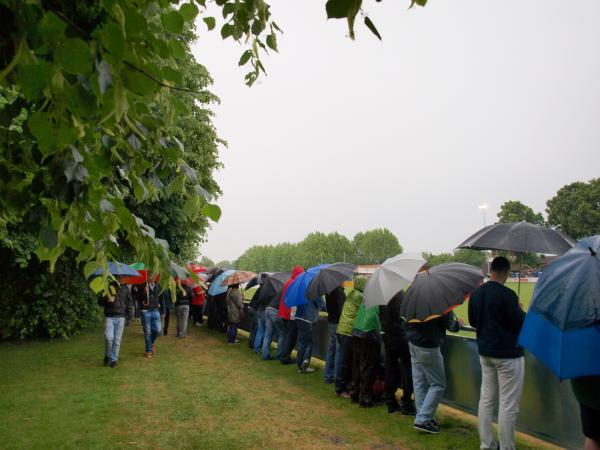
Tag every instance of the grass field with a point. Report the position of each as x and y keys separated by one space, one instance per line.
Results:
x=196 y=393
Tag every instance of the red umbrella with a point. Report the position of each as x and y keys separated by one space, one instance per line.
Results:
x=196 y=268
x=142 y=278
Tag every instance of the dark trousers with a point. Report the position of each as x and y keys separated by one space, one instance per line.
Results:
x=167 y=318
x=344 y=382
x=365 y=359
x=196 y=311
x=304 y=341
x=253 y=327
x=289 y=342
x=398 y=368
x=222 y=321
x=232 y=332
x=212 y=314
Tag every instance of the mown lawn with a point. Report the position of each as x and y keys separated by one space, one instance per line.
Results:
x=197 y=393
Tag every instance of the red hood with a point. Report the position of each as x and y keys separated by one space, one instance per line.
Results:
x=284 y=311
x=297 y=270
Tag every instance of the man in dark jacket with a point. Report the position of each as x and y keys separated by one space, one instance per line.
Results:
x=495 y=312
x=396 y=348
x=117 y=303
x=335 y=302
x=182 y=307
x=429 y=376
x=150 y=311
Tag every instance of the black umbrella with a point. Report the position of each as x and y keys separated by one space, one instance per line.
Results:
x=438 y=290
x=328 y=278
x=271 y=288
x=519 y=237
x=258 y=279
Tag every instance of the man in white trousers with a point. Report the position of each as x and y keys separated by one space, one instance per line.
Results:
x=495 y=312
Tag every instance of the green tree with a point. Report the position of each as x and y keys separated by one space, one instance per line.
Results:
x=320 y=248
x=206 y=261
x=467 y=256
x=575 y=209
x=515 y=211
x=375 y=246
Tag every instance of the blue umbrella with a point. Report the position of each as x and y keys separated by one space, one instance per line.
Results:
x=562 y=326
x=215 y=287
x=295 y=295
x=118 y=270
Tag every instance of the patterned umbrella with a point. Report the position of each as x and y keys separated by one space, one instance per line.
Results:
x=240 y=276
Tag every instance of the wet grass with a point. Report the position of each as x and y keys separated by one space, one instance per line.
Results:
x=196 y=393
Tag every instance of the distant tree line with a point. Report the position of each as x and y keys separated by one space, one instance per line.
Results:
x=369 y=247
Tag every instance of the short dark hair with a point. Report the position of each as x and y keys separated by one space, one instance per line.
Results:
x=500 y=265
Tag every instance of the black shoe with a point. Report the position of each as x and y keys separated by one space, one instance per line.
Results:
x=113 y=364
x=428 y=427
x=393 y=407
x=408 y=409
x=367 y=404
x=106 y=361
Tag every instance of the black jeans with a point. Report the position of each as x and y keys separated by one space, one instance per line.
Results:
x=196 y=311
x=398 y=369
x=289 y=342
x=344 y=382
x=167 y=316
x=304 y=341
x=365 y=359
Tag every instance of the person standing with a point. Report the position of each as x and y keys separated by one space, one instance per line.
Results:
x=166 y=305
x=150 y=313
x=288 y=323
x=343 y=382
x=197 y=305
x=428 y=371
x=398 y=369
x=273 y=325
x=117 y=305
x=495 y=312
x=366 y=354
x=335 y=302
x=306 y=316
x=587 y=393
x=182 y=306
x=235 y=312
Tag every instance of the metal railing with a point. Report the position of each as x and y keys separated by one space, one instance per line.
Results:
x=549 y=409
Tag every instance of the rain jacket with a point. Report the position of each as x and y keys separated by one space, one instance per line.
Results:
x=235 y=307
x=367 y=323
x=349 y=312
x=393 y=325
x=335 y=303
x=310 y=311
x=199 y=296
x=284 y=311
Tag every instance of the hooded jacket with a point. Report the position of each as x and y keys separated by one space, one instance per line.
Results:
x=235 y=307
x=335 y=303
x=285 y=312
x=392 y=324
x=367 y=323
x=349 y=312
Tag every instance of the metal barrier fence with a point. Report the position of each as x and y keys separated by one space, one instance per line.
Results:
x=549 y=409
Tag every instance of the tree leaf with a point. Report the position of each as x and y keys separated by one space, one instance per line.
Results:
x=212 y=211
x=177 y=49
x=417 y=2
x=272 y=41
x=48 y=237
x=52 y=27
x=338 y=9
x=371 y=26
x=74 y=56
x=33 y=78
x=172 y=75
x=227 y=30
x=114 y=40
x=39 y=124
x=210 y=22
x=189 y=11
x=173 y=22
x=245 y=57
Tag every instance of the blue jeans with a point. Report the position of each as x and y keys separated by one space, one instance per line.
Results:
x=232 y=332
x=271 y=329
x=113 y=331
x=304 y=341
x=429 y=380
x=260 y=330
x=332 y=359
x=152 y=327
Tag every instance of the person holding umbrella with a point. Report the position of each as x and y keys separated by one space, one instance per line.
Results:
x=285 y=314
x=334 y=301
x=495 y=312
x=235 y=312
x=117 y=305
x=427 y=307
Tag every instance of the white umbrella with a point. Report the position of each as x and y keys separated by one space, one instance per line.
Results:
x=394 y=275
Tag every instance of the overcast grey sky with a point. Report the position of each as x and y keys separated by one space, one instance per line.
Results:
x=464 y=102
